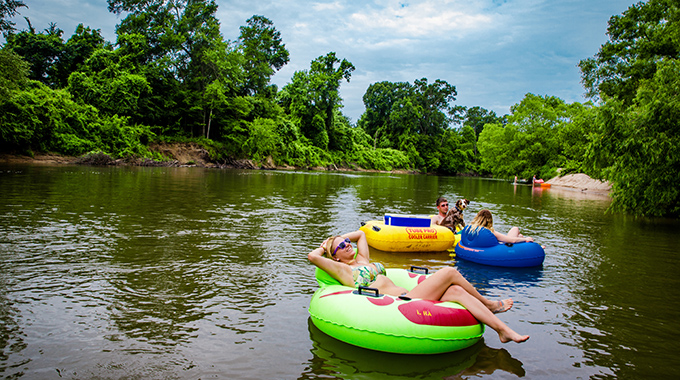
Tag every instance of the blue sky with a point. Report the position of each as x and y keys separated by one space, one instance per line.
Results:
x=493 y=51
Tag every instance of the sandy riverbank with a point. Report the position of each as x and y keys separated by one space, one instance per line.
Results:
x=581 y=182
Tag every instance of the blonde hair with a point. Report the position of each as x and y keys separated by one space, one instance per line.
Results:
x=329 y=246
x=482 y=219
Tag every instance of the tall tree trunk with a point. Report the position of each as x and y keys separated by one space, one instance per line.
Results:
x=207 y=135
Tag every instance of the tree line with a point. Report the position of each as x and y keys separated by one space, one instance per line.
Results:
x=171 y=76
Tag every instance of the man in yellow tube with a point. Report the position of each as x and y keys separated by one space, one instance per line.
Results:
x=443 y=208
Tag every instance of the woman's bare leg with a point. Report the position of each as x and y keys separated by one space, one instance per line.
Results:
x=483 y=314
x=434 y=287
x=514 y=232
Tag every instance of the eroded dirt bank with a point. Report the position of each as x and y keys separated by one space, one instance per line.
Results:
x=176 y=155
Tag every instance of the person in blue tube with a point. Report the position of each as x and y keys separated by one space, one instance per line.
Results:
x=484 y=219
x=353 y=268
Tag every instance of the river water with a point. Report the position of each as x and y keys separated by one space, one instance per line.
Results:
x=189 y=273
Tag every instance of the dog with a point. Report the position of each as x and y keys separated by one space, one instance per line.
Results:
x=454 y=217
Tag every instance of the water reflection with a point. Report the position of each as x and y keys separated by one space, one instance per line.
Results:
x=571 y=194
x=489 y=361
x=191 y=273
x=12 y=336
x=336 y=359
x=489 y=277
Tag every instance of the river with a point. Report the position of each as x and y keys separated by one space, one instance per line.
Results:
x=190 y=273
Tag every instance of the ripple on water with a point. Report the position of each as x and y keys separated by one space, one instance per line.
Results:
x=173 y=273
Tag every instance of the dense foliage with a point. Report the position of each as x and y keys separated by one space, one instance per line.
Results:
x=542 y=135
x=636 y=135
x=48 y=120
x=8 y=9
x=642 y=36
x=171 y=76
x=638 y=147
x=13 y=73
x=417 y=119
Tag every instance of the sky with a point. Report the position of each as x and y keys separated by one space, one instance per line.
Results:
x=493 y=51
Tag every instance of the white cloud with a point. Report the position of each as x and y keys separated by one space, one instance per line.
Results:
x=420 y=19
x=334 y=6
x=493 y=51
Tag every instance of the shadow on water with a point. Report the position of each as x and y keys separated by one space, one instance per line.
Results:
x=339 y=360
x=486 y=276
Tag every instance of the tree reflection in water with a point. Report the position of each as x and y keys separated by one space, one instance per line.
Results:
x=340 y=360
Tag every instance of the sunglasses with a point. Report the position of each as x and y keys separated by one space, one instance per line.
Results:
x=444 y=205
x=343 y=244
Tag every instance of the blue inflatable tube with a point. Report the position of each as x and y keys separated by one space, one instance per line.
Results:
x=482 y=247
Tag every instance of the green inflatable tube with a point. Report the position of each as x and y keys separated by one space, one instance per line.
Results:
x=385 y=323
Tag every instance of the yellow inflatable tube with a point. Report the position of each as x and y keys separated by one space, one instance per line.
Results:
x=408 y=239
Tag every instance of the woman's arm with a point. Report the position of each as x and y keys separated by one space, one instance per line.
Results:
x=359 y=237
x=340 y=271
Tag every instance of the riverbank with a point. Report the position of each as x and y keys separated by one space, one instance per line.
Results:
x=581 y=182
x=193 y=155
x=177 y=155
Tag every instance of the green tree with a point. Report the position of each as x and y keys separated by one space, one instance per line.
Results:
x=14 y=72
x=493 y=145
x=263 y=139
x=645 y=34
x=225 y=68
x=162 y=107
x=8 y=9
x=264 y=53
x=47 y=120
x=457 y=151
x=106 y=84
x=313 y=96
x=574 y=135
x=477 y=117
x=76 y=51
x=52 y=60
x=404 y=120
x=327 y=72
x=638 y=147
x=169 y=40
x=474 y=118
x=537 y=140
x=635 y=74
x=41 y=50
x=436 y=101
x=379 y=100
x=416 y=119
x=393 y=109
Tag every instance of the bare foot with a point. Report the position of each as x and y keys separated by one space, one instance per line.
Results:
x=512 y=336
x=503 y=306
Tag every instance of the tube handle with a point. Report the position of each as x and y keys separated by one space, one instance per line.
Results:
x=361 y=289
x=422 y=269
